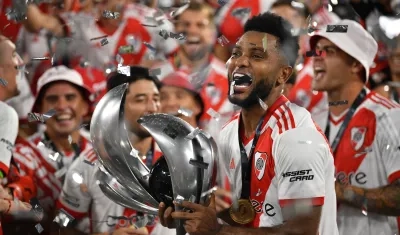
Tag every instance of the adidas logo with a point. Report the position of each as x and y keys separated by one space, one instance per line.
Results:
x=232 y=165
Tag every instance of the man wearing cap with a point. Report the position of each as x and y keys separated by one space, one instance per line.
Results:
x=107 y=216
x=360 y=126
x=46 y=155
x=179 y=97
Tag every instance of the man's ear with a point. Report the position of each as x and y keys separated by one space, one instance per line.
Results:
x=284 y=75
x=356 y=67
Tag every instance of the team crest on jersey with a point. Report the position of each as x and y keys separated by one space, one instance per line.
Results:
x=303 y=98
x=357 y=137
x=214 y=94
x=135 y=42
x=260 y=160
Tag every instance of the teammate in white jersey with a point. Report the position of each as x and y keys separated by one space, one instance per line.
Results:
x=363 y=131
x=284 y=177
x=85 y=198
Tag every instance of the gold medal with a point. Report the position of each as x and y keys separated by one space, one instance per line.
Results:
x=245 y=212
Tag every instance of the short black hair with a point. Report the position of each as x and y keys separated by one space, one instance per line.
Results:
x=275 y=25
x=137 y=73
x=296 y=5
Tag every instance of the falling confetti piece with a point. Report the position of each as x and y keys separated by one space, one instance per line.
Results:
x=148 y=45
x=214 y=114
x=63 y=218
x=208 y=192
x=119 y=60
x=164 y=34
x=222 y=40
x=32 y=117
x=127 y=49
x=155 y=72
x=336 y=28
x=39 y=228
x=3 y=82
x=222 y=2
x=110 y=15
x=198 y=164
x=126 y=70
x=262 y=104
x=178 y=36
x=40 y=58
x=88 y=162
x=264 y=42
x=340 y=102
x=104 y=42
x=70 y=139
x=97 y=38
x=185 y=112
x=193 y=134
x=179 y=11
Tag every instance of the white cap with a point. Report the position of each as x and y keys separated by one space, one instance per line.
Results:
x=59 y=73
x=357 y=42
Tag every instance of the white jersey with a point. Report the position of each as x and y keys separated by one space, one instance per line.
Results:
x=292 y=161
x=367 y=157
x=83 y=27
x=105 y=215
x=8 y=134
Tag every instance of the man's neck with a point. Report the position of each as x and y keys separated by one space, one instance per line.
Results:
x=251 y=116
x=184 y=61
x=348 y=92
x=142 y=145
x=61 y=142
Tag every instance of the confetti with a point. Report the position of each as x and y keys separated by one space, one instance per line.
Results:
x=40 y=58
x=63 y=218
x=262 y=104
x=16 y=15
x=222 y=40
x=179 y=11
x=83 y=63
x=3 y=82
x=119 y=59
x=148 y=45
x=214 y=114
x=164 y=34
x=32 y=117
x=210 y=191
x=39 y=228
x=178 y=36
x=110 y=15
x=155 y=72
x=264 y=42
x=104 y=42
x=97 y=38
x=222 y=2
x=126 y=70
x=128 y=49
x=199 y=164
x=185 y=112
x=70 y=139
x=336 y=28
x=241 y=12
x=193 y=134
x=340 y=102
x=88 y=162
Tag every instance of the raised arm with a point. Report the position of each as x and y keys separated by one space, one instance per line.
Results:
x=37 y=20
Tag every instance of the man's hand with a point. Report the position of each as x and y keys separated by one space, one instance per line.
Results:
x=5 y=193
x=220 y=203
x=14 y=207
x=131 y=231
x=203 y=220
x=164 y=214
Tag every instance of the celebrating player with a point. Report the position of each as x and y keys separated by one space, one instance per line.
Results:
x=362 y=128
x=276 y=159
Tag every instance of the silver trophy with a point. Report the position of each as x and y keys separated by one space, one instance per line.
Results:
x=188 y=165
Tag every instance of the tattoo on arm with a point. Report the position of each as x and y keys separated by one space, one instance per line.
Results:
x=384 y=200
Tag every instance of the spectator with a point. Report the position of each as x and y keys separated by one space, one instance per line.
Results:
x=394 y=63
x=142 y=98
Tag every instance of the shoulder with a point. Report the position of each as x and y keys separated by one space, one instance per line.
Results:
x=8 y=115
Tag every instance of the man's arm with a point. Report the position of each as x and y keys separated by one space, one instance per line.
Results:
x=36 y=20
x=300 y=224
x=383 y=200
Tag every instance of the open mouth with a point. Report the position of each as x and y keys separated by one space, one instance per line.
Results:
x=241 y=82
x=193 y=40
x=319 y=73
x=63 y=117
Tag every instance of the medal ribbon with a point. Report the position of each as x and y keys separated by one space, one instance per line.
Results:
x=359 y=99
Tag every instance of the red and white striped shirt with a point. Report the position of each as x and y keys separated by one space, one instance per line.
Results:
x=367 y=156
x=36 y=160
x=292 y=161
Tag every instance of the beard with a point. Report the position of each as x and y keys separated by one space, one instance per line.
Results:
x=199 y=54
x=260 y=90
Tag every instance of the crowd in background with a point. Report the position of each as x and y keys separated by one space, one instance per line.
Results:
x=66 y=55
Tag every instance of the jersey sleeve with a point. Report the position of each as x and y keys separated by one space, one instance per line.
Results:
x=388 y=132
x=8 y=134
x=75 y=197
x=301 y=157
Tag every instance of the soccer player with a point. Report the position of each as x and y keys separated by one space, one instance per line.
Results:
x=207 y=73
x=277 y=160
x=81 y=199
x=362 y=128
